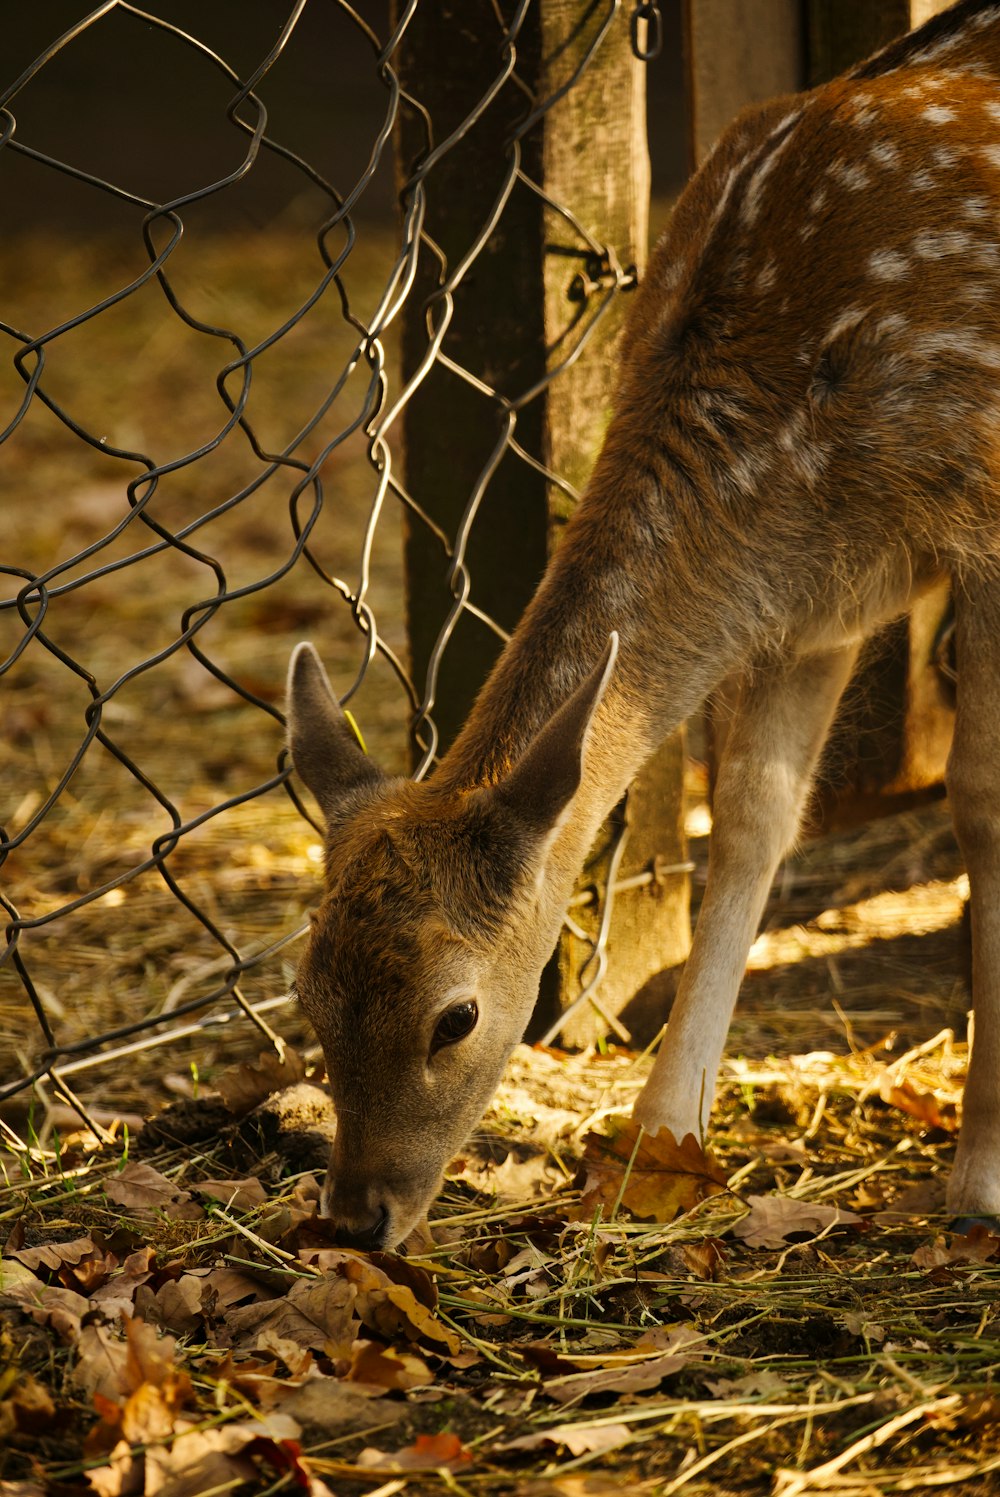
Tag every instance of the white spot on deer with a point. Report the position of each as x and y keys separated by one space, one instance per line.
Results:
x=806 y=231
x=935 y=244
x=888 y=265
x=850 y=174
x=818 y=200
x=941 y=48
x=991 y=154
x=923 y=181
x=807 y=456
x=978 y=291
x=884 y=153
x=751 y=200
x=673 y=268
x=891 y=324
x=944 y=158
x=974 y=208
x=766 y=276
x=968 y=345
x=741 y=471
x=723 y=198
x=938 y=114
x=992 y=108
x=792 y=118
x=864 y=111
x=845 y=322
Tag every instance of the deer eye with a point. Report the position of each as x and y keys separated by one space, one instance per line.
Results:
x=455 y=1023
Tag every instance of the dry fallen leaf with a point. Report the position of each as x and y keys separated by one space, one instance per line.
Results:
x=25 y=1409
x=660 y=1360
x=197 y=1461
x=142 y=1191
x=771 y=1220
x=154 y=1389
x=234 y=1195
x=176 y=1305
x=666 y=1178
x=586 y=1440
x=923 y=1105
x=243 y=1087
x=392 y=1308
x=56 y=1256
x=383 y=1367
x=979 y=1245
x=47 y=1304
x=315 y=1313
x=427 y=1453
x=327 y=1406
x=755 y=1385
x=101 y=1363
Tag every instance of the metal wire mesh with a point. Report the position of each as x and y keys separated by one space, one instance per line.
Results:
x=124 y=705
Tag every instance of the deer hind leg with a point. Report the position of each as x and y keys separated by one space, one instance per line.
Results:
x=973 y=779
x=770 y=752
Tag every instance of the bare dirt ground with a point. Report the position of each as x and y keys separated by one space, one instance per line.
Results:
x=790 y=1313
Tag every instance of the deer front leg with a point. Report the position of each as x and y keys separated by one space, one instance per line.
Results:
x=770 y=753
x=973 y=779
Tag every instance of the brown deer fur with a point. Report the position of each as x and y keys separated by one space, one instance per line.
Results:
x=807 y=433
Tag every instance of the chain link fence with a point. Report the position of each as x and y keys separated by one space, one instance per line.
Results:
x=199 y=465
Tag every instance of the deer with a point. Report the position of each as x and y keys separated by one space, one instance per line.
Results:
x=805 y=437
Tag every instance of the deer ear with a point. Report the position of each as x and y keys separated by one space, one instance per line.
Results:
x=325 y=751
x=547 y=776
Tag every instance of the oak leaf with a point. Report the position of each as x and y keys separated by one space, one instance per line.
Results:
x=243 y=1087
x=772 y=1220
x=234 y=1195
x=616 y=1368
x=101 y=1363
x=57 y=1256
x=47 y=1304
x=26 y=1408
x=383 y=1367
x=315 y=1313
x=585 y=1440
x=979 y=1245
x=176 y=1305
x=427 y=1453
x=653 y=1176
x=393 y=1309
x=142 y=1191
x=923 y=1105
x=759 y=1385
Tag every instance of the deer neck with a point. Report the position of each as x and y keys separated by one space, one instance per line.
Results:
x=612 y=571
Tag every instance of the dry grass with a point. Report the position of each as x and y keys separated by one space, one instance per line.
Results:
x=857 y=1357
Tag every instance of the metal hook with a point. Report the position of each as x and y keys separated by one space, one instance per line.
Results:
x=648 y=11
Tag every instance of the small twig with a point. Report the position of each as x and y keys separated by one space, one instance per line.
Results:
x=793 y=1483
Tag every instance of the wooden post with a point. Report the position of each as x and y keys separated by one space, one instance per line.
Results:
x=596 y=162
x=450 y=55
x=738 y=52
x=520 y=310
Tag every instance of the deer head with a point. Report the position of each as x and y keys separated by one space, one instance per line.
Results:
x=423 y=961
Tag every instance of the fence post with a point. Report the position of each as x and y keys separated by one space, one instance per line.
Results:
x=518 y=312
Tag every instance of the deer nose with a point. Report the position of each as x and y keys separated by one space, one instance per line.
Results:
x=366 y=1239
